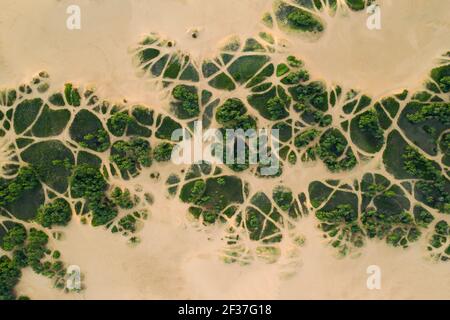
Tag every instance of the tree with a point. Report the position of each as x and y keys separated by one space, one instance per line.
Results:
x=122 y=198
x=233 y=115
x=15 y=237
x=303 y=20
x=118 y=122
x=129 y=155
x=35 y=249
x=57 y=213
x=98 y=141
x=305 y=137
x=9 y=278
x=343 y=213
x=163 y=151
x=439 y=111
x=368 y=122
x=444 y=83
x=277 y=108
x=197 y=191
x=189 y=99
x=128 y=223
x=88 y=182
x=103 y=211
x=283 y=198
x=10 y=190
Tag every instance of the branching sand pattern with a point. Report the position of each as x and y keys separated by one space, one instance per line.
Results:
x=67 y=154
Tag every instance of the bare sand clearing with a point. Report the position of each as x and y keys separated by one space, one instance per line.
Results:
x=174 y=260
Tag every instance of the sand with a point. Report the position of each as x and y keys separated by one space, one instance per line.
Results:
x=174 y=260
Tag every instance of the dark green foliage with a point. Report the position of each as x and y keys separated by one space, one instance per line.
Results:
x=9 y=278
x=434 y=188
x=295 y=77
x=332 y=146
x=356 y=5
x=51 y=122
x=283 y=198
x=167 y=128
x=366 y=132
x=186 y=105
x=15 y=237
x=340 y=224
x=222 y=82
x=72 y=95
x=118 y=122
x=143 y=115
x=57 y=212
x=306 y=137
x=277 y=108
x=35 y=249
x=441 y=76
x=233 y=115
x=122 y=198
x=84 y=157
x=437 y=110
x=424 y=123
x=52 y=161
x=422 y=217
x=368 y=122
x=245 y=67
x=135 y=129
x=103 y=211
x=25 y=113
x=163 y=152
x=298 y=19
x=215 y=194
x=313 y=116
x=128 y=223
x=132 y=154
x=8 y=97
x=196 y=192
x=88 y=131
x=397 y=227
x=87 y=182
x=420 y=166
x=10 y=190
x=57 y=99
x=341 y=214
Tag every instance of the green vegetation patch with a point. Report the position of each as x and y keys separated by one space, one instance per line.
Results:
x=271 y=105
x=424 y=123
x=366 y=133
x=167 y=128
x=186 y=104
x=25 y=113
x=50 y=122
x=22 y=195
x=130 y=156
x=88 y=131
x=245 y=67
x=163 y=152
x=334 y=152
x=52 y=161
x=233 y=115
x=214 y=194
x=57 y=212
x=297 y=19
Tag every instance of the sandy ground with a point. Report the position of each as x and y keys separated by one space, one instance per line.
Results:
x=174 y=260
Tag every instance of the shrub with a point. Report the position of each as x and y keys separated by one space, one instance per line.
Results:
x=57 y=212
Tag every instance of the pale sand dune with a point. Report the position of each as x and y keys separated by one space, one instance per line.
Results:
x=174 y=260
